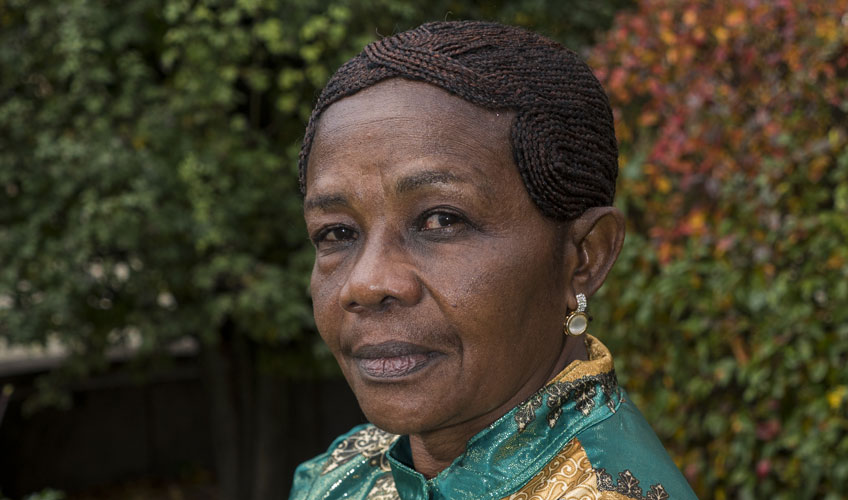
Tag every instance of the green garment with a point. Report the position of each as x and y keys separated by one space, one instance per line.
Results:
x=580 y=436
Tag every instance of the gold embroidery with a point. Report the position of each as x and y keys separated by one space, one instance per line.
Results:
x=600 y=361
x=526 y=412
x=628 y=486
x=568 y=476
x=558 y=393
x=384 y=489
x=371 y=443
x=576 y=383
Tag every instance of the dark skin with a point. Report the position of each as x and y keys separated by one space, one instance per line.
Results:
x=438 y=285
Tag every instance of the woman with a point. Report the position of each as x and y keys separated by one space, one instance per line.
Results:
x=458 y=183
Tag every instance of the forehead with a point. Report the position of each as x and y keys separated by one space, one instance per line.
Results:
x=398 y=123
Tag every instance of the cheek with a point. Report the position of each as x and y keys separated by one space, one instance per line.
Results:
x=325 y=307
x=501 y=293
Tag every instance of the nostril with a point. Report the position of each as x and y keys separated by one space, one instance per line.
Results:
x=382 y=304
x=387 y=301
x=353 y=307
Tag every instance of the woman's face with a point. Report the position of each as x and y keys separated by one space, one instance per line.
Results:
x=438 y=285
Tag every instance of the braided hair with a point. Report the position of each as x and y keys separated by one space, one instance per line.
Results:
x=562 y=136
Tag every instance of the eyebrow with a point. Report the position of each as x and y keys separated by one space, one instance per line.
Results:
x=403 y=185
x=421 y=179
x=325 y=202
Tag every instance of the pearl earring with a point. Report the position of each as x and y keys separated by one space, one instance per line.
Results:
x=577 y=322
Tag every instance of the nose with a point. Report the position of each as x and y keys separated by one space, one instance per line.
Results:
x=381 y=277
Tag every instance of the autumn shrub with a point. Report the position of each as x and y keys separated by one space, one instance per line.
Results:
x=729 y=305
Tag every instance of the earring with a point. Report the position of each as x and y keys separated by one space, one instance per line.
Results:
x=577 y=322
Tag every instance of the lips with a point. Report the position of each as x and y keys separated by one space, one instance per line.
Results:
x=392 y=360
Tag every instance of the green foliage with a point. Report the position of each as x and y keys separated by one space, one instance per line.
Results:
x=147 y=162
x=729 y=298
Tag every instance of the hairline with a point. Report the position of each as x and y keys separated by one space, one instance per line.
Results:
x=316 y=118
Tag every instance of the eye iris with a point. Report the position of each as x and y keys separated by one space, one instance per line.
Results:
x=338 y=233
x=438 y=221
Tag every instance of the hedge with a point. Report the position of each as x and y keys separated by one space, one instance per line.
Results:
x=729 y=306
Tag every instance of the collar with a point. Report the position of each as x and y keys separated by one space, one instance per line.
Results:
x=509 y=452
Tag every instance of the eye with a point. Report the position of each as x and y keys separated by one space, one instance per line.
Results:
x=334 y=234
x=440 y=220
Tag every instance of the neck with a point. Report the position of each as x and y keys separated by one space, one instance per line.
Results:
x=434 y=451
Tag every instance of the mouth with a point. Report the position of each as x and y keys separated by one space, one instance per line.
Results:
x=393 y=360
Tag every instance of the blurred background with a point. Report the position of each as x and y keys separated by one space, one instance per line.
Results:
x=156 y=338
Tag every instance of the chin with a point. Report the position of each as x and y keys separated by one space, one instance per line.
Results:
x=398 y=414
x=392 y=426
x=410 y=404
x=398 y=424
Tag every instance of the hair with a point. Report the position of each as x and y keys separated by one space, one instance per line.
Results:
x=562 y=136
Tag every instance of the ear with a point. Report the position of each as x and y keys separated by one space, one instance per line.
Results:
x=594 y=242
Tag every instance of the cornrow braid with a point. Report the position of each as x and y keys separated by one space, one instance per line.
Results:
x=563 y=140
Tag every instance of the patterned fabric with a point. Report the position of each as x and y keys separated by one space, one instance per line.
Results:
x=370 y=443
x=628 y=486
x=582 y=392
x=568 y=475
x=384 y=489
x=579 y=437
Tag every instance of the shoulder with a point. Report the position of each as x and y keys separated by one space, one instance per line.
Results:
x=363 y=450
x=627 y=457
x=618 y=457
